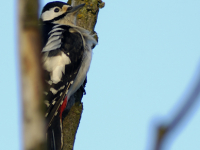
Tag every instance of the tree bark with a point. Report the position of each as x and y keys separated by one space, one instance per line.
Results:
x=31 y=75
x=87 y=19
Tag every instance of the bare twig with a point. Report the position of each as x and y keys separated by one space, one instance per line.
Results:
x=164 y=130
x=31 y=75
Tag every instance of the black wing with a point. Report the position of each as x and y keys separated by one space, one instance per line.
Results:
x=66 y=47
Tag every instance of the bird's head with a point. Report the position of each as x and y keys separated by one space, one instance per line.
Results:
x=60 y=13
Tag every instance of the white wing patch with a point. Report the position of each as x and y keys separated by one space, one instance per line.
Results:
x=53 y=91
x=56 y=66
x=62 y=87
x=47 y=103
x=53 y=103
x=56 y=29
x=52 y=46
x=49 y=82
x=53 y=43
x=54 y=40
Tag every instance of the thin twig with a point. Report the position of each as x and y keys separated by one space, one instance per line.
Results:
x=164 y=130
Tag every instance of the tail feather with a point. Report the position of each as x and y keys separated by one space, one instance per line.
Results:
x=54 y=131
x=54 y=135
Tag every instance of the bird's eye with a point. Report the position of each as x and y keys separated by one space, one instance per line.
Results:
x=56 y=10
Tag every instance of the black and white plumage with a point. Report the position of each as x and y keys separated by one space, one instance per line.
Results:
x=66 y=60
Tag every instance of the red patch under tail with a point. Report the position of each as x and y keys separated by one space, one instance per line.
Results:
x=63 y=106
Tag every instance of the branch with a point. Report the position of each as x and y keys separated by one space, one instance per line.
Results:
x=163 y=130
x=31 y=75
x=87 y=19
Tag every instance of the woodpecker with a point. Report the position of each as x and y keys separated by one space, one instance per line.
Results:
x=66 y=58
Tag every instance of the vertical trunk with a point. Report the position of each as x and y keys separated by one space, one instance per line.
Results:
x=31 y=75
x=86 y=18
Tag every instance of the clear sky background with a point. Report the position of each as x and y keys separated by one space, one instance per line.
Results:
x=142 y=69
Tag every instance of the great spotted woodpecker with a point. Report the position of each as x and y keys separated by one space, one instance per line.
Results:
x=66 y=58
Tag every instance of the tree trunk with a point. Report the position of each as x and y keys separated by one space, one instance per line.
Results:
x=31 y=75
x=87 y=19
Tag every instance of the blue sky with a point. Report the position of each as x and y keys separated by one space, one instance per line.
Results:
x=142 y=69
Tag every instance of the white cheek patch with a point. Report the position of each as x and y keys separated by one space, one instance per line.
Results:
x=50 y=14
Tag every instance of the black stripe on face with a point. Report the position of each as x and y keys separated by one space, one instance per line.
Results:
x=50 y=5
x=59 y=17
x=56 y=18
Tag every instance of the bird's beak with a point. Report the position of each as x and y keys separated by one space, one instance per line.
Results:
x=75 y=8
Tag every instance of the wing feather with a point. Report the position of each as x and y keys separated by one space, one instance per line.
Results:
x=62 y=56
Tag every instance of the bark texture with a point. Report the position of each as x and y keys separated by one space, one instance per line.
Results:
x=31 y=75
x=87 y=19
